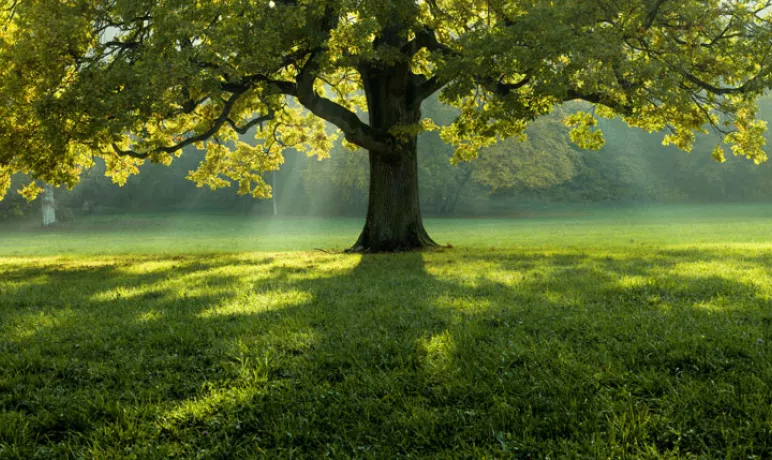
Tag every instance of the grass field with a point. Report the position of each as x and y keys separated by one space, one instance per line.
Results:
x=641 y=333
x=585 y=227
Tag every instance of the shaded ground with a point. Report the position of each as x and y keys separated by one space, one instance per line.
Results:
x=519 y=353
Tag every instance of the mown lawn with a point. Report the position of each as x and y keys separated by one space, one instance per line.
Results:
x=580 y=344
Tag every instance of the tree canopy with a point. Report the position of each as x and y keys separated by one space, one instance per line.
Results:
x=140 y=80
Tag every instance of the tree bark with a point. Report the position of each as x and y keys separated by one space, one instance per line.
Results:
x=394 y=220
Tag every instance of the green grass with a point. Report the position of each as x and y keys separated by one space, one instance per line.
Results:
x=587 y=227
x=642 y=335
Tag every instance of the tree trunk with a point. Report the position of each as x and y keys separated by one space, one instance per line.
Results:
x=393 y=212
x=49 y=208
x=394 y=220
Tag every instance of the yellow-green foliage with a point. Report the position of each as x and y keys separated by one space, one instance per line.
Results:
x=5 y=182
x=136 y=80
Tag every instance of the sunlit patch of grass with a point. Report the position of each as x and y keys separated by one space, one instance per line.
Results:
x=561 y=351
x=440 y=354
x=256 y=303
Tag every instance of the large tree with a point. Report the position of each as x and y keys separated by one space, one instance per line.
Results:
x=132 y=80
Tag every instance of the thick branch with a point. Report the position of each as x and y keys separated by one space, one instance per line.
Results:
x=281 y=86
x=424 y=38
x=251 y=123
x=748 y=86
x=503 y=89
x=355 y=130
x=595 y=98
x=122 y=45
x=651 y=16
x=428 y=87
x=223 y=118
x=428 y=39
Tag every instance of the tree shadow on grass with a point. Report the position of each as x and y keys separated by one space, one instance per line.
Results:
x=459 y=353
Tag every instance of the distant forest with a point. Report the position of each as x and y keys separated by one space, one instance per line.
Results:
x=546 y=169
